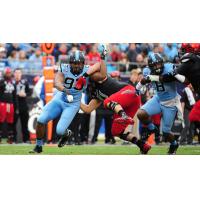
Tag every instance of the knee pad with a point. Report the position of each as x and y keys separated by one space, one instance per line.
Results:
x=112 y=104
x=143 y=117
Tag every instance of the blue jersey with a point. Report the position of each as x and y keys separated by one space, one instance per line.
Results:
x=70 y=81
x=165 y=91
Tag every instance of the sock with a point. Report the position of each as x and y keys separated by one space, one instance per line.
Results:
x=174 y=142
x=139 y=143
x=39 y=142
x=134 y=140
x=151 y=126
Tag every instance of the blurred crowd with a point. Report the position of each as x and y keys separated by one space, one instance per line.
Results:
x=123 y=58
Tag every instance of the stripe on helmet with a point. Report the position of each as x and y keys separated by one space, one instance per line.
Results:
x=77 y=54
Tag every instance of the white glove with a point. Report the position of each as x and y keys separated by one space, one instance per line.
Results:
x=70 y=98
x=153 y=78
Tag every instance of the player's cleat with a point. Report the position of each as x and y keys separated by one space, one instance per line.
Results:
x=173 y=148
x=124 y=120
x=10 y=140
x=145 y=148
x=37 y=149
x=65 y=138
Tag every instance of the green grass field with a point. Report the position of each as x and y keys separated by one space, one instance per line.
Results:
x=95 y=150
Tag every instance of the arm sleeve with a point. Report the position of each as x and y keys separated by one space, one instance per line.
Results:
x=183 y=68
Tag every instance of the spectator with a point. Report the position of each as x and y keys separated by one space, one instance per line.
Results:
x=7 y=96
x=61 y=53
x=22 y=61
x=115 y=53
x=170 y=51
x=12 y=47
x=123 y=63
x=3 y=61
x=36 y=60
x=13 y=60
x=93 y=56
x=123 y=47
x=134 y=78
x=21 y=106
x=139 y=63
x=132 y=54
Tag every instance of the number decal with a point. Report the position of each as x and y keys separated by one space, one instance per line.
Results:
x=160 y=87
x=69 y=82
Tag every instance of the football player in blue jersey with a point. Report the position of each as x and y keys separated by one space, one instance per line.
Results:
x=70 y=82
x=166 y=100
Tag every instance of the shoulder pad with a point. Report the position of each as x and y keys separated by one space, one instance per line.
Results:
x=62 y=66
x=188 y=57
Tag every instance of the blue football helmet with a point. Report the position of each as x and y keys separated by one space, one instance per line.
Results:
x=77 y=61
x=156 y=63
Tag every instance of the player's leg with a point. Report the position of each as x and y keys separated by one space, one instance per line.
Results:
x=124 y=132
x=50 y=112
x=150 y=108
x=125 y=103
x=168 y=117
x=108 y=127
x=66 y=118
x=120 y=101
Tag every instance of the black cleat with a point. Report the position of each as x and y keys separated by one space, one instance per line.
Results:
x=173 y=149
x=145 y=148
x=65 y=138
x=37 y=149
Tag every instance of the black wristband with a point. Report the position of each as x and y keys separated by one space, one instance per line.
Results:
x=85 y=75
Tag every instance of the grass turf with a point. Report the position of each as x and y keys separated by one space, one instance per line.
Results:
x=95 y=150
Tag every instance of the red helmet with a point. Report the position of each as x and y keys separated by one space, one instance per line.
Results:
x=190 y=48
x=195 y=47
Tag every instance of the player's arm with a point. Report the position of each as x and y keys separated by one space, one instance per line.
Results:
x=142 y=83
x=59 y=81
x=93 y=105
x=171 y=76
x=97 y=72
x=59 y=85
x=102 y=73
